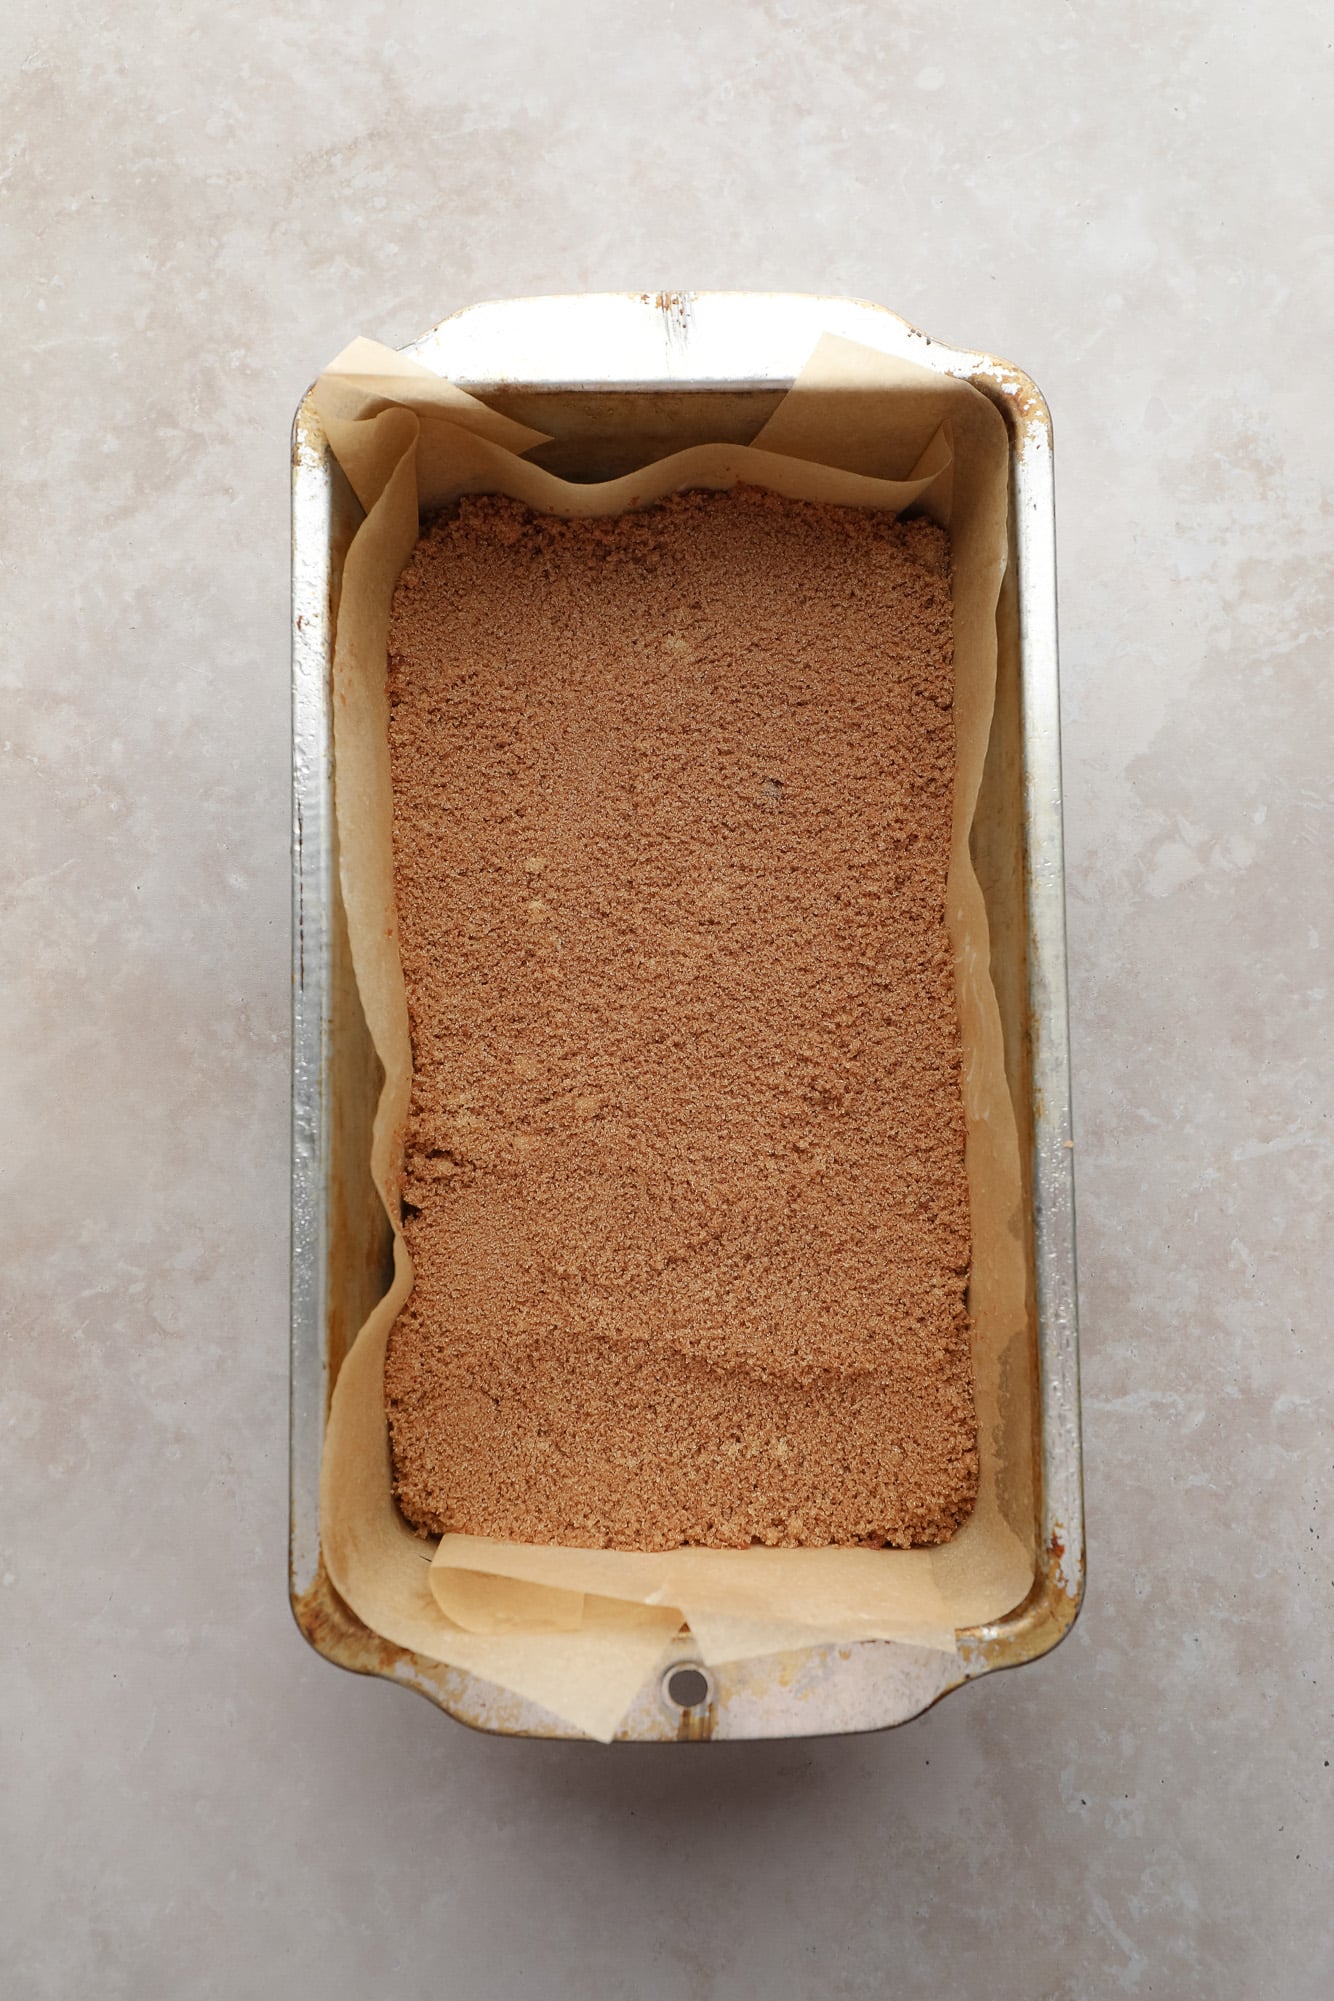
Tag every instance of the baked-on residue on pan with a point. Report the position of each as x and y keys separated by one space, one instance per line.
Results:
x=685 y=1187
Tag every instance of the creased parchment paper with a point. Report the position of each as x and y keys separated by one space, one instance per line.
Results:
x=579 y=1630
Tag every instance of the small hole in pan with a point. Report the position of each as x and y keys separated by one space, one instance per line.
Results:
x=687 y=1687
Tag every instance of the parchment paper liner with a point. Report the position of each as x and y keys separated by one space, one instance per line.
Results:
x=579 y=1630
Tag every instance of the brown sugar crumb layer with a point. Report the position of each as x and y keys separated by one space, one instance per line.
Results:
x=685 y=1186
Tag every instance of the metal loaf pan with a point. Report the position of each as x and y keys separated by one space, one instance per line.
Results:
x=618 y=381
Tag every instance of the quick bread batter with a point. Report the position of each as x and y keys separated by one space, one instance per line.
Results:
x=684 y=1184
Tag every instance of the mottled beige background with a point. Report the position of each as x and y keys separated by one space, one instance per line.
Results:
x=199 y=205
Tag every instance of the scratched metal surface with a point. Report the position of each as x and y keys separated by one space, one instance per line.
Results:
x=622 y=378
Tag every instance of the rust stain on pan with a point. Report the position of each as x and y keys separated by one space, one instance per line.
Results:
x=308 y=440
x=335 y=1631
x=1015 y=395
x=672 y=305
x=1043 y=1619
x=676 y=309
x=698 y=1725
x=1027 y=404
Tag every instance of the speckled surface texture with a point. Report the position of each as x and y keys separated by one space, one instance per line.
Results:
x=1135 y=210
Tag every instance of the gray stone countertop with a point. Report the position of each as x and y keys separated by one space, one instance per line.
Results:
x=199 y=205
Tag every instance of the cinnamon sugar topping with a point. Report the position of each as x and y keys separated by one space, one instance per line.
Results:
x=685 y=1177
